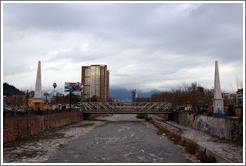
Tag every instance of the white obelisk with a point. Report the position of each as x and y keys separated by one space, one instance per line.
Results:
x=218 y=102
x=38 y=100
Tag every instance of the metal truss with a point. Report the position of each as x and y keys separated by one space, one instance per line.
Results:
x=126 y=107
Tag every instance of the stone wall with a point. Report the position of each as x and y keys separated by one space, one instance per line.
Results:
x=21 y=127
x=224 y=127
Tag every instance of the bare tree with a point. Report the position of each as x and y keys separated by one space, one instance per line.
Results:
x=186 y=94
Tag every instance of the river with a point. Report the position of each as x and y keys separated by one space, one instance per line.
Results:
x=123 y=139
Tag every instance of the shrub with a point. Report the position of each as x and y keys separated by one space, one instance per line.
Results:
x=141 y=116
x=212 y=159
x=174 y=137
x=61 y=145
x=183 y=143
x=204 y=158
x=147 y=118
x=191 y=147
x=151 y=121
x=87 y=124
x=162 y=131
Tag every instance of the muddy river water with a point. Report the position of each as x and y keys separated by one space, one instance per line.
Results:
x=113 y=139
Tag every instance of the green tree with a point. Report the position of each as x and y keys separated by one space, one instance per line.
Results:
x=31 y=94
x=95 y=98
x=46 y=96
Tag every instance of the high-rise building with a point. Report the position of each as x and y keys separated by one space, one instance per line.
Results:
x=95 y=79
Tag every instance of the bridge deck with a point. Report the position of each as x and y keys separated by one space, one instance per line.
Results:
x=126 y=107
x=126 y=112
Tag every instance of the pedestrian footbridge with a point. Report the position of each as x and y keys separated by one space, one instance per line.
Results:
x=126 y=107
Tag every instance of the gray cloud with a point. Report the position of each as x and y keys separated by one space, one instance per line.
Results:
x=150 y=46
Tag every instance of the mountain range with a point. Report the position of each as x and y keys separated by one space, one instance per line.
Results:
x=127 y=94
x=114 y=93
x=9 y=90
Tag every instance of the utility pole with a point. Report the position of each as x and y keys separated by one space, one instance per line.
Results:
x=70 y=99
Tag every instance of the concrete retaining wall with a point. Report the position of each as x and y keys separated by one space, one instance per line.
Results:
x=21 y=127
x=224 y=127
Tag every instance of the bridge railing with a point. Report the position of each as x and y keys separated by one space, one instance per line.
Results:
x=125 y=107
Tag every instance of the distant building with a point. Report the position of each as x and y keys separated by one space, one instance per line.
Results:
x=4 y=100
x=15 y=100
x=95 y=79
x=229 y=98
x=240 y=95
x=134 y=94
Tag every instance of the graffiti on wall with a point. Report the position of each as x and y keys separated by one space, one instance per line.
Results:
x=202 y=125
x=230 y=129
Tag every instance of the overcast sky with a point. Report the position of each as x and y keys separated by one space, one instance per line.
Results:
x=145 y=46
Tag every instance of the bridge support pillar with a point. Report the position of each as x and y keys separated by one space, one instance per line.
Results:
x=171 y=117
x=86 y=116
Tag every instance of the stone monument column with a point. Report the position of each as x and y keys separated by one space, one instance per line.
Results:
x=218 y=103
x=38 y=100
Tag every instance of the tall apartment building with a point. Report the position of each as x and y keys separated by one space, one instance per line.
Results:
x=95 y=79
